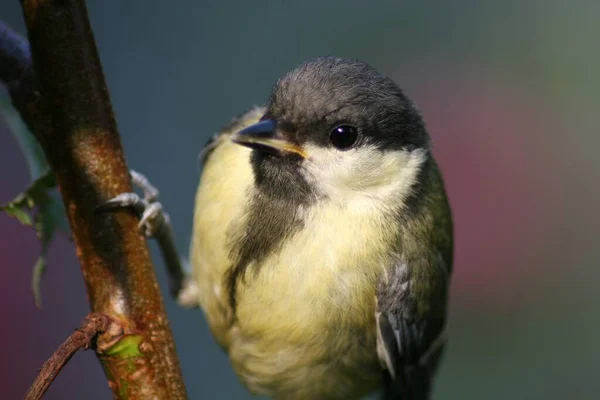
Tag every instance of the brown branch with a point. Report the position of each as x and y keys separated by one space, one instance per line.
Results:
x=65 y=102
x=93 y=325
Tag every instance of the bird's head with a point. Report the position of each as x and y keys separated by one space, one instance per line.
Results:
x=337 y=129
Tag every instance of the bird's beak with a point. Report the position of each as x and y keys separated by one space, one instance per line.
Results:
x=263 y=136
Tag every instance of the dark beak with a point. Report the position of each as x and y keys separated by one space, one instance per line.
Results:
x=262 y=136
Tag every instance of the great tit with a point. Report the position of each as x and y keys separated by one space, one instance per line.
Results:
x=322 y=241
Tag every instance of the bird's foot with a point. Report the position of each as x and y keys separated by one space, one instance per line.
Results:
x=155 y=223
x=153 y=219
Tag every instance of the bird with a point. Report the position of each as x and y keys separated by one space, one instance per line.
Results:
x=322 y=243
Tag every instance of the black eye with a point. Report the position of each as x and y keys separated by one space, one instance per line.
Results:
x=344 y=136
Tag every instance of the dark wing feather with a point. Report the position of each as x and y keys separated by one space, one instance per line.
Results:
x=412 y=297
x=409 y=344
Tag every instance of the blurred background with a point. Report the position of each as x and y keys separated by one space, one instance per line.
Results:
x=509 y=91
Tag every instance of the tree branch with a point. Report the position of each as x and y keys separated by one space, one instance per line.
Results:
x=65 y=103
x=93 y=325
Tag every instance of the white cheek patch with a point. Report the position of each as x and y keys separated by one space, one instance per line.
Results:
x=363 y=177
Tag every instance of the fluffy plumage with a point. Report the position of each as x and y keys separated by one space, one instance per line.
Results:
x=325 y=277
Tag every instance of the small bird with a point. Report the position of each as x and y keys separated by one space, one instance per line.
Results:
x=322 y=243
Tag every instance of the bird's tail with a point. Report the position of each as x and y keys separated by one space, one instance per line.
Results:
x=414 y=384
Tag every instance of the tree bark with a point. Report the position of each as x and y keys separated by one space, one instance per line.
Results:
x=66 y=104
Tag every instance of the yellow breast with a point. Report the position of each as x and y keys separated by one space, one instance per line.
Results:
x=220 y=199
x=308 y=316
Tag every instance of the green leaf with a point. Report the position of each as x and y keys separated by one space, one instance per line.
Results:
x=46 y=220
x=38 y=271
x=40 y=199
x=17 y=212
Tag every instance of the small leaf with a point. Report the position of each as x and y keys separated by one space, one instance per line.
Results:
x=38 y=270
x=34 y=195
x=16 y=211
x=49 y=213
x=47 y=220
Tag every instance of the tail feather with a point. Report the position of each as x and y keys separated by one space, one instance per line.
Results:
x=414 y=384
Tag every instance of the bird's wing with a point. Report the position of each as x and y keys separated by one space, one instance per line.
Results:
x=238 y=123
x=411 y=302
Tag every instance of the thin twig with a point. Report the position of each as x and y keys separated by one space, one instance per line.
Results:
x=82 y=338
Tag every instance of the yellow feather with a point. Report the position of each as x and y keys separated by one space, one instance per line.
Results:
x=305 y=325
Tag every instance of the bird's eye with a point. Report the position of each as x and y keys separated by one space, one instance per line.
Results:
x=344 y=136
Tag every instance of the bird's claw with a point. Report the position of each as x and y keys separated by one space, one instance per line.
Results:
x=155 y=222
x=121 y=201
x=153 y=219
x=150 y=192
x=152 y=216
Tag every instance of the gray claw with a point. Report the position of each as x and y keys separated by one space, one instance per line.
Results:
x=153 y=220
x=122 y=200
x=139 y=180
x=152 y=216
